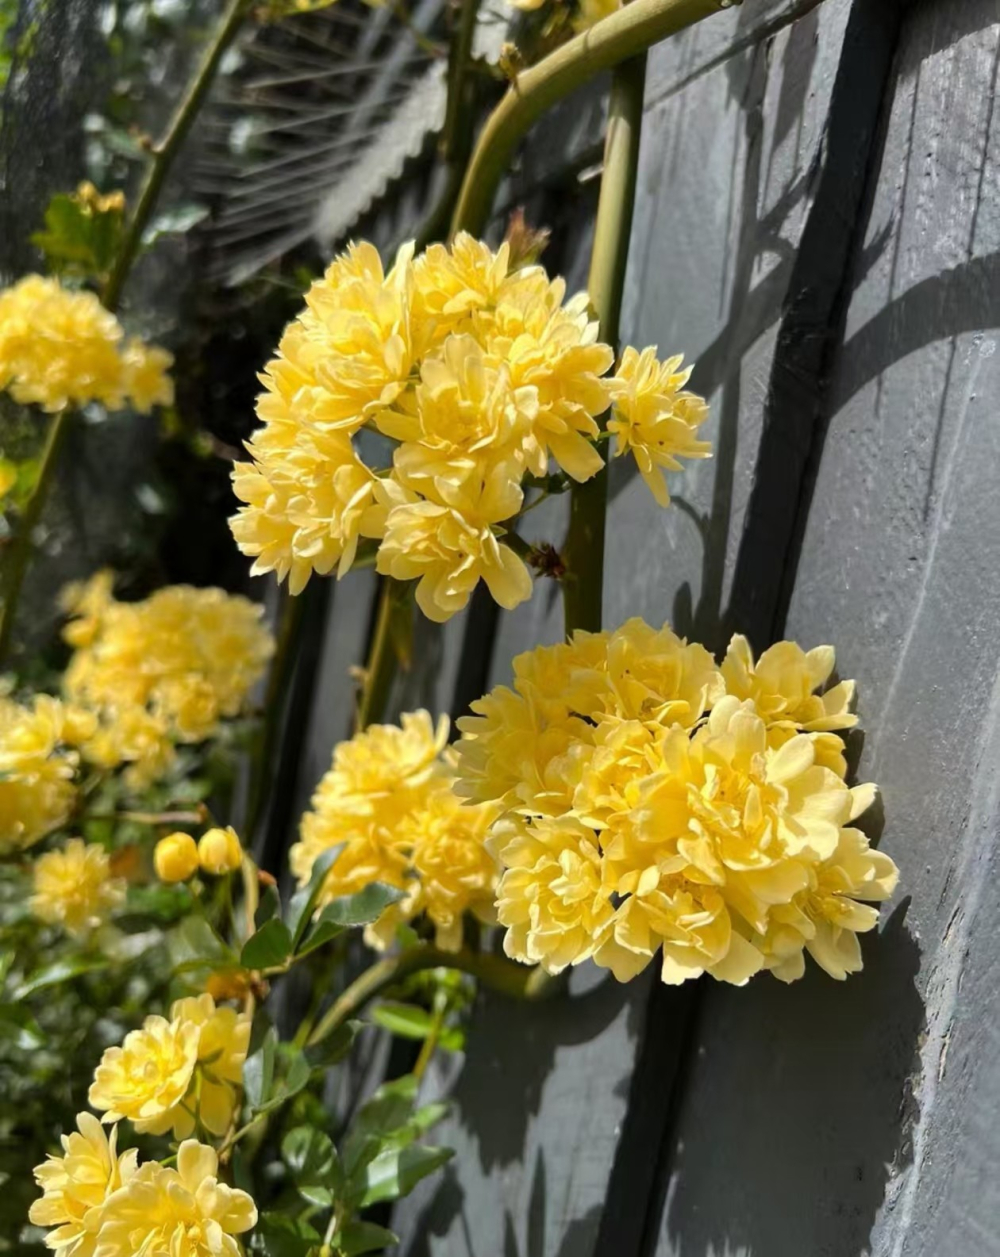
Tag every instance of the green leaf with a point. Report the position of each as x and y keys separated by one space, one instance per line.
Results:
x=176 y=221
x=406 y=1020
x=294 y=1074
x=271 y=945
x=194 y=940
x=56 y=973
x=363 y=1237
x=361 y=908
x=258 y=1068
x=334 y=1048
x=303 y=904
x=79 y=238
x=395 y=1172
x=312 y=1160
x=277 y=1235
x=268 y=907
x=26 y=1030
x=389 y=1109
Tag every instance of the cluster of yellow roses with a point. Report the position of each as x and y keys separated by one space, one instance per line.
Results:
x=60 y=347
x=478 y=373
x=388 y=802
x=143 y=677
x=158 y=672
x=651 y=800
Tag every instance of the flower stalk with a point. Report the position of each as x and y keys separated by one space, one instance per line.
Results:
x=393 y=632
x=166 y=150
x=583 y=583
x=516 y=981
x=616 y=38
x=16 y=560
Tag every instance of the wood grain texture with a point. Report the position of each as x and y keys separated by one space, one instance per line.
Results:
x=829 y=1119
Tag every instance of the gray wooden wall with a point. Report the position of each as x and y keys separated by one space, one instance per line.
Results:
x=818 y=226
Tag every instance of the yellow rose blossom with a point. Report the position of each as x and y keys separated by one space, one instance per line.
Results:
x=388 y=803
x=74 y=888
x=175 y=857
x=164 y=670
x=37 y=769
x=182 y=1212
x=783 y=684
x=643 y=810
x=169 y=1075
x=59 y=347
x=219 y=851
x=77 y=1185
x=480 y=372
x=654 y=418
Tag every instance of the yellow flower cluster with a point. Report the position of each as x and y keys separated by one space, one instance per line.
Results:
x=654 y=801
x=59 y=348
x=101 y=1203
x=479 y=373
x=160 y=671
x=74 y=887
x=388 y=800
x=37 y=767
x=170 y=1075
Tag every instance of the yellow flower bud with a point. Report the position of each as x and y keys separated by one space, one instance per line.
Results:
x=175 y=857
x=219 y=851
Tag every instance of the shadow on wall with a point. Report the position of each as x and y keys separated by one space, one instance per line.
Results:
x=812 y=1135
x=511 y=1052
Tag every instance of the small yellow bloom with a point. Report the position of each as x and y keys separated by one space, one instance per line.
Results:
x=176 y=857
x=219 y=851
x=60 y=348
x=654 y=417
x=182 y=1212
x=90 y=199
x=76 y=1186
x=782 y=684
x=169 y=1075
x=37 y=770
x=74 y=888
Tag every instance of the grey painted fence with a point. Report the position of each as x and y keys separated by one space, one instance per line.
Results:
x=818 y=227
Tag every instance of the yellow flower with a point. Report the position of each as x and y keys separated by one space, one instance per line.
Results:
x=480 y=372
x=654 y=418
x=388 y=802
x=164 y=670
x=168 y=1075
x=76 y=1186
x=59 y=348
x=74 y=888
x=90 y=199
x=643 y=809
x=551 y=897
x=187 y=1212
x=176 y=857
x=450 y=549
x=37 y=769
x=219 y=851
x=783 y=682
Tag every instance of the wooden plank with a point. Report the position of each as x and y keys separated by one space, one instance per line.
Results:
x=559 y=1108
x=828 y=1119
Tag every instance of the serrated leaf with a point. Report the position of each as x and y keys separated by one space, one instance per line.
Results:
x=195 y=940
x=314 y=1165
x=335 y=1047
x=270 y=946
x=388 y=1111
x=303 y=903
x=406 y=1020
x=258 y=1068
x=268 y=907
x=56 y=973
x=293 y=1076
x=355 y=1238
x=349 y=910
x=395 y=1172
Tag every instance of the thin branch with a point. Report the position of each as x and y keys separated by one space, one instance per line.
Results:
x=623 y=34
x=583 y=586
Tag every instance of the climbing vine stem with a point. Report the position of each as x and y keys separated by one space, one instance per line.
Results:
x=583 y=554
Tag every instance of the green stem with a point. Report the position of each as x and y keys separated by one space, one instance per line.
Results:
x=16 y=559
x=278 y=680
x=167 y=149
x=394 y=621
x=504 y=976
x=457 y=133
x=623 y=34
x=583 y=554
